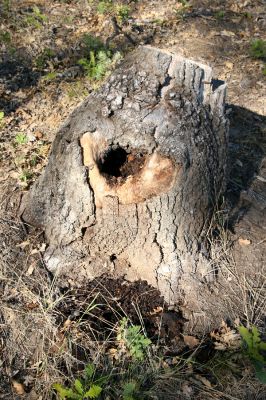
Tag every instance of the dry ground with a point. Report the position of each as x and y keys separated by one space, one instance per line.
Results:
x=41 y=81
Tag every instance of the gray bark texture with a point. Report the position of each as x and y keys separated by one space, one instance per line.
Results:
x=133 y=176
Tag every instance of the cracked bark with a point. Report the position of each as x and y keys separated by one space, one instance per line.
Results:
x=150 y=224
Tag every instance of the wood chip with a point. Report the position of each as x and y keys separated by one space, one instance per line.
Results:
x=19 y=388
x=244 y=242
x=191 y=341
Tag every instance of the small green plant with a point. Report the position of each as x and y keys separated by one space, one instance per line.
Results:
x=5 y=37
x=36 y=18
x=21 y=138
x=255 y=348
x=122 y=12
x=42 y=59
x=247 y=15
x=38 y=14
x=129 y=390
x=219 y=15
x=25 y=176
x=50 y=76
x=180 y=12
x=135 y=342
x=92 y=42
x=84 y=388
x=2 y=116
x=98 y=63
x=104 y=6
x=258 y=49
x=6 y=6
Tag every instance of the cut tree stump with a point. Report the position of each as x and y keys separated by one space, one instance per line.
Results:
x=134 y=175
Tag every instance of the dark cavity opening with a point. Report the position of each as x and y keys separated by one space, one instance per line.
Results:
x=113 y=257
x=112 y=162
x=120 y=163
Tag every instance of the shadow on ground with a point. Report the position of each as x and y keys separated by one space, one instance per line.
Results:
x=247 y=148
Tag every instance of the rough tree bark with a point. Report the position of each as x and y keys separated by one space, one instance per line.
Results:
x=134 y=174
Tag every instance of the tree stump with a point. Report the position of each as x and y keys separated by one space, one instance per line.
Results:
x=134 y=174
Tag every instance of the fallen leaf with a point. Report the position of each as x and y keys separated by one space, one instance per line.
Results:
x=229 y=65
x=42 y=248
x=59 y=345
x=228 y=33
x=203 y=380
x=30 y=269
x=67 y=324
x=244 y=242
x=22 y=245
x=226 y=338
x=38 y=134
x=32 y=305
x=34 y=251
x=19 y=388
x=191 y=341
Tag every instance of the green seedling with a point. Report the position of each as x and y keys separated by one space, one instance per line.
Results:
x=42 y=59
x=21 y=138
x=180 y=12
x=2 y=116
x=129 y=390
x=92 y=42
x=104 y=6
x=258 y=49
x=87 y=387
x=38 y=15
x=183 y=2
x=49 y=77
x=247 y=15
x=6 y=6
x=122 y=12
x=98 y=63
x=219 y=14
x=36 y=18
x=136 y=343
x=25 y=176
x=5 y=37
x=255 y=348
